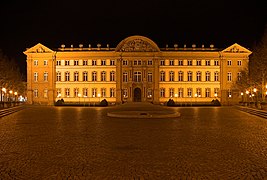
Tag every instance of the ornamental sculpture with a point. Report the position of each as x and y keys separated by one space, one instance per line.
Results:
x=137 y=45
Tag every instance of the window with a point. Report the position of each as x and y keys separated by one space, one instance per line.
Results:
x=149 y=62
x=85 y=76
x=229 y=63
x=85 y=92
x=76 y=76
x=112 y=62
x=149 y=93
x=180 y=76
x=103 y=92
x=35 y=62
x=45 y=93
x=67 y=76
x=229 y=93
x=162 y=76
x=239 y=63
x=94 y=92
x=229 y=76
x=139 y=62
x=67 y=92
x=171 y=62
x=45 y=62
x=198 y=76
x=149 y=77
x=189 y=92
x=76 y=92
x=76 y=62
x=180 y=92
x=207 y=62
x=58 y=76
x=135 y=62
x=216 y=76
x=207 y=76
x=171 y=90
x=35 y=76
x=58 y=92
x=125 y=77
x=112 y=92
x=112 y=76
x=125 y=93
x=239 y=76
x=216 y=62
x=162 y=62
x=103 y=76
x=67 y=62
x=94 y=62
x=198 y=92
x=137 y=76
x=216 y=92
x=125 y=62
x=85 y=62
x=207 y=92
x=189 y=76
x=46 y=76
x=171 y=76
x=162 y=92
x=198 y=62
x=94 y=76
x=35 y=93
x=189 y=62
x=180 y=62
x=103 y=62
x=58 y=62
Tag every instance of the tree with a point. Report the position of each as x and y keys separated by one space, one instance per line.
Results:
x=258 y=64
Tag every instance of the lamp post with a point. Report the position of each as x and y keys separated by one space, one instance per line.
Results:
x=242 y=96
x=10 y=94
x=99 y=95
x=4 y=91
x=256 y=98
x=247 y=99
x=15 y=93
x=176 y=96
x=79 y=95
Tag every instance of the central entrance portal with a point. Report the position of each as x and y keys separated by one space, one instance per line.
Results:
x=137 y=95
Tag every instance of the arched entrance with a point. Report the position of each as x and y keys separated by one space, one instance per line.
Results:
x=137 y=95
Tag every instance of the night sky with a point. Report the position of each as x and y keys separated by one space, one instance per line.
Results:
x=52 y=23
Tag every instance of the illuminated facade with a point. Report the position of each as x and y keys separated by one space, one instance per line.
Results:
x=136 y=70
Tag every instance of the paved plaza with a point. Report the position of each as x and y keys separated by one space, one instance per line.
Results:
x=44 y=142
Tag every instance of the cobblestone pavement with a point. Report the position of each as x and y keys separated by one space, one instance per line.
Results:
x=83 y=143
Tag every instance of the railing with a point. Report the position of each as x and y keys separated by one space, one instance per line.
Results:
x=257 y=112
x=7 y=111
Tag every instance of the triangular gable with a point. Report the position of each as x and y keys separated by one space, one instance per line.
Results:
x=236 y=48
x=38 y=48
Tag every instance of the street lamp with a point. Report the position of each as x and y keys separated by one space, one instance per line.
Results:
x=98 y=95
x=10 y=92
x=79 y=95
x=176 y=96
x=242 y=96
x=15 y=93
x=2 y=96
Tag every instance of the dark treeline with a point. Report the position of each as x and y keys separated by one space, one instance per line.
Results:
x=10 y=76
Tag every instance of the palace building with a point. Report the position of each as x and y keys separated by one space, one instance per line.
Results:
x=135 y=70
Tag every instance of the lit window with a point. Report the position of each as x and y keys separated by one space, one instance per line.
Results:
x=103 y=76
x=35 y=76
x=35 y=62
x=112 y=76
x=67 y=76
x=149 y=93
x=198 y=76
x=229 y=76
x=198 y=92
x=216 y=92
x=137 y=76
x=85 y=76
x=125 y=93
x=189 y=76
x=94 y=76
x=162 y=76
x=125 y=77
x=58 y=92
x=46 y=76
x=207 y=76
x=58 y=76
x=171 y=75
x=149 y=77
x=45 y=93
x=76 y=76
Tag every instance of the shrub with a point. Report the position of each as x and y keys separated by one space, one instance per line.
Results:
x=171 y=102
x=59 y=102
x=216 y=102
x=104 y=102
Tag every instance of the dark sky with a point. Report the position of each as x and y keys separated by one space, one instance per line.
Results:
x=52 y=23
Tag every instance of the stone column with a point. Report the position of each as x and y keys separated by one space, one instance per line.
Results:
x=119 y=81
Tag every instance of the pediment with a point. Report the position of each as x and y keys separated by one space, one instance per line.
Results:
x=236 y=48
x=137 y=44
x=38 y=48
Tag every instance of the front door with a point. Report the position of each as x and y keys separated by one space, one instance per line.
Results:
x=137 y=95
